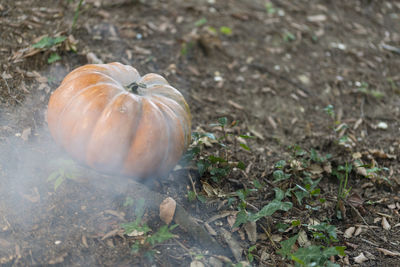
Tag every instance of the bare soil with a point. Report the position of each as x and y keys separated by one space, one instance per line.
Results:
x=283 y=63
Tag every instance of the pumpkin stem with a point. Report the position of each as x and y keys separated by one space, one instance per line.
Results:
x=133 y=87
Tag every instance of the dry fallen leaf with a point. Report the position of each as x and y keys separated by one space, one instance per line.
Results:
x=349 y=232
x=388 y=252
x=385 y=224
x=303 y=239
x=234 y=245
x=251 y=231
x=196 y=263
x=167 y=210
x=358 y=231
x=356 y=200
x=360 y=258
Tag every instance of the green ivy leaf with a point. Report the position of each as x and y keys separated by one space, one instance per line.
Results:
x=270 y=209
x=286 y=246
x=47 y=42
x=279 y=175
x=53 y=58
x=241 y=218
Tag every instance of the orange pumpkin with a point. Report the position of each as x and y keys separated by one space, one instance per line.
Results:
x=114 y=120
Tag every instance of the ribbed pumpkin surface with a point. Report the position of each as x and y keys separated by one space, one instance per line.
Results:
x=139 y=131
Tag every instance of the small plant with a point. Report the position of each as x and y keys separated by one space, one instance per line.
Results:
x=50 y=43
x=76 y=15
x=244 y=216
x=288 y=36
x=225 y=30
x=217 y=166
x=364 y=88
x=145 y=242
x=313 y=255
x=67 y=170
x=269 y=7
x=342 y=173
x=250 y=256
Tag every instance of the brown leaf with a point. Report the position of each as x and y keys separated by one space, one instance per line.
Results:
x=379 y=153
x=385 y=224
x=167 y=210
x=388 y=252
x=360 y=258
x=251 y=231
x=356 y=200
x=349 y=232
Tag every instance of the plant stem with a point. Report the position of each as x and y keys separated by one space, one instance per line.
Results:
x=76 y=15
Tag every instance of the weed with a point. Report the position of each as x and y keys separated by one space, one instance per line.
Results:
x=365 y=89
x=250 y=256
x=76 y=15
x=67 y=170
x=217 y=166
x=145 y=242
x=49 y=42
x=270 y=8
x=342 y=173
x=313 y=255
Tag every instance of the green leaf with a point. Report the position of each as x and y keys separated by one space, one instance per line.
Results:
x=128 y=202
x=47 y=42
x=202 y=167
x=223 y=121
x=225 y=30
x=296 y=223
x=161 y=235
x=191 y=195
x=286 y=246
x=53 y=58
x=139 y=210
x=200 y=22
x=315 y=255
x=282 y=227
x=58 y=182
x=245 y=147
x=280 y=164
x=135 y=248
x=241 y=165
x=202 y=198
x=241 y=218
x=270 y=8
x=330 y=110
x=279 y=193
x=270 y=209
x=212 y=30
x=213 y=159
x=257 y=184
x=53 y=176
x=279 y=175
x=246 y=136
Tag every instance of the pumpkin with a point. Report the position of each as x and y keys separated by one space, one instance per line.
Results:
x=115 y=121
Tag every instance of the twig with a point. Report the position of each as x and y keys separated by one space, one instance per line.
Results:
x=269 y=236
x=369 y=227
x=193 y=184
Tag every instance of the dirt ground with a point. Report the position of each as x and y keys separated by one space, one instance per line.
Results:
x=321 y=75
